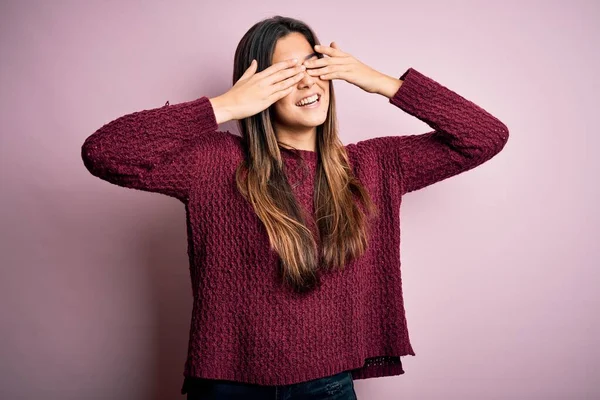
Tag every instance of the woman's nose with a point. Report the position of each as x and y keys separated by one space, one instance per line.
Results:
x=307 y=78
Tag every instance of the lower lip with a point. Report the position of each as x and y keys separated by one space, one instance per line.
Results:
x=313 y=105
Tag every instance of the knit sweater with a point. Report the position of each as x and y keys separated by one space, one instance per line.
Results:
x=245 y=326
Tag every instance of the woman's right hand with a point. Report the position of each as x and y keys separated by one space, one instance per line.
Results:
x=255 y=92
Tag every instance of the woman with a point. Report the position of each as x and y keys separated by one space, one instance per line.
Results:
x=293 y=238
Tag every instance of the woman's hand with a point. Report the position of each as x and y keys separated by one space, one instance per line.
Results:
x=255 y=92
x=340 y=65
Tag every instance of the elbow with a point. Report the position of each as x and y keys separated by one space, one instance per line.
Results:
x=493 y=140
x=500 y=136
x=91 y=156
x=496 y=138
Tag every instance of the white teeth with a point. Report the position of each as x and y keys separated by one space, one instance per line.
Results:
x=307 y=100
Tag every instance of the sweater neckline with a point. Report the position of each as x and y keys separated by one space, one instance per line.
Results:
x=307 y=155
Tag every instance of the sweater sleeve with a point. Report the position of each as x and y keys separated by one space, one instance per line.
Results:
x=464 y=135
x=156 y=150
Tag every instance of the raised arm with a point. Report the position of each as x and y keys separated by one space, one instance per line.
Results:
x=464 y=135
x=157 y=150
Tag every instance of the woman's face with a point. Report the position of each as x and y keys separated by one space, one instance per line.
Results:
x=288 y=114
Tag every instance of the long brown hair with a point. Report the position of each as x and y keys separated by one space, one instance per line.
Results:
x=341 y=223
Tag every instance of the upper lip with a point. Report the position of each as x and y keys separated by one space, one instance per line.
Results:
x=305 y=97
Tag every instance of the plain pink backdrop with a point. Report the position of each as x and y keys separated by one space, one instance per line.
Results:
x=500 y=264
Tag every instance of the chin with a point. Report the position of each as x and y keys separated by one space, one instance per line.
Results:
x=310 y=122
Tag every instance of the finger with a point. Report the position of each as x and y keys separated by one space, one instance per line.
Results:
x=280 y=94
x=292 y=80
x=248 y=73
x=250 y=70
x=322 y=62
x=334 y=72
x=330 y=51
x=281 y=65
x=284 y=74
x=333 y=75
x=283 y=88
x=321 y=71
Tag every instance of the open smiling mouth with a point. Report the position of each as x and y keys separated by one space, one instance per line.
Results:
x=314 y=104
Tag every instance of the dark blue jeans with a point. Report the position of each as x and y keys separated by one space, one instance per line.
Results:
x=335 y=387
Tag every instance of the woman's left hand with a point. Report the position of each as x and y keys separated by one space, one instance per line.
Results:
x=340 y=65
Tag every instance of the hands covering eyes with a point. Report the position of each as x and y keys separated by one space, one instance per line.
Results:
x=341 y=65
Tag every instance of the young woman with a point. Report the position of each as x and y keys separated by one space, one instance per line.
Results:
x=293 y=238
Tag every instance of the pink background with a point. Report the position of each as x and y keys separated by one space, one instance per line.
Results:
x=500 y=264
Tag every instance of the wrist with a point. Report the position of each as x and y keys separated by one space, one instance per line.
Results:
x=222 y=109
x=388 y=86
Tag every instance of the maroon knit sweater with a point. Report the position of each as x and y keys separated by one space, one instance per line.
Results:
x=244 y=326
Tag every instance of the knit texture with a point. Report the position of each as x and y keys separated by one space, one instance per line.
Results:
x=245 y=326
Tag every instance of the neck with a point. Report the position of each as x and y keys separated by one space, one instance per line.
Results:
x=304 y=138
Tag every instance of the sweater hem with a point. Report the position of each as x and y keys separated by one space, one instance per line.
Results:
x=361 y=368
